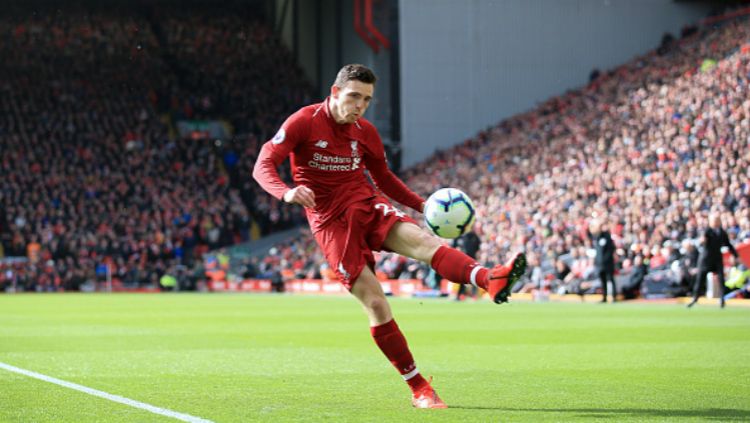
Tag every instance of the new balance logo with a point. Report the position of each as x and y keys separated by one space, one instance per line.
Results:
x=321 y=144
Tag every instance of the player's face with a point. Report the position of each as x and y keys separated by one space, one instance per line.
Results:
x=351 y=101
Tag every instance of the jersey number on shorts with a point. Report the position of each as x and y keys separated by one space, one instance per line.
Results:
x=388 y=210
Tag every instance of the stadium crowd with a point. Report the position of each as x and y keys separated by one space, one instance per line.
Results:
x=649 y=149
x=231 y=66
x=93 y=173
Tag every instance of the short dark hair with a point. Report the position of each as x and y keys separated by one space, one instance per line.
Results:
x=355 y=72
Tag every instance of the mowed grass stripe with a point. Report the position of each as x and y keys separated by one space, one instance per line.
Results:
x=287 y=358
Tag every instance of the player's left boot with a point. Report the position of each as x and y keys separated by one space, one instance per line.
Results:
x=426 y=397
x=503 y=277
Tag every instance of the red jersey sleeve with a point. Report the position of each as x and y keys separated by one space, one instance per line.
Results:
x=275 y=151
x=385 y=180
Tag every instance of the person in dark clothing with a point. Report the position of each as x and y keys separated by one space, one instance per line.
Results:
x=605 y=258
x=635 y=280
x=688 y=264
x=711 y=259
x=469 y=244
x=565 y=280
x=277 y=281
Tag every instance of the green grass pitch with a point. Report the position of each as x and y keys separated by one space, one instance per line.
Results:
x=240 y=358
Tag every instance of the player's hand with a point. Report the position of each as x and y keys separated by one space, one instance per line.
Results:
x=301 y=195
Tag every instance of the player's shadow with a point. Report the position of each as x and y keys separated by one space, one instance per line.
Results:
x=722 y=414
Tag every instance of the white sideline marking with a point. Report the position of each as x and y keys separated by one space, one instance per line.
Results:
x=101 y=394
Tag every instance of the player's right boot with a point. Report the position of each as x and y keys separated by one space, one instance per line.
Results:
x=426 y=397
x=504 y=276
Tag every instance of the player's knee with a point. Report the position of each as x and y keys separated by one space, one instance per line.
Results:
x=378 y=306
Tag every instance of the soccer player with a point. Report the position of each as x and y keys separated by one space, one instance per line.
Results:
x=330 y=144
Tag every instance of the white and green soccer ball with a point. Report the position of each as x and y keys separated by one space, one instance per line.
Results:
x=449 y=213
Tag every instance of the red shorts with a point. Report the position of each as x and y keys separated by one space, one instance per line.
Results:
x=349 y=239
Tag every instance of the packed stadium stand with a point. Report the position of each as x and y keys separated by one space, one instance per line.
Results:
x=95 y=172
x=649 y=147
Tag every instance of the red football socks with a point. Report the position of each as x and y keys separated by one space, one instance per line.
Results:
x=391 y=341
x=458 y=267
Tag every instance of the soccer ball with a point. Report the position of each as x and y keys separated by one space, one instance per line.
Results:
x=449 y=213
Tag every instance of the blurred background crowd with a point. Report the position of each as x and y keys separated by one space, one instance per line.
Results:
x=94 y=172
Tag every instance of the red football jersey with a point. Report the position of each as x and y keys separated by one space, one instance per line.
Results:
x=330 y=159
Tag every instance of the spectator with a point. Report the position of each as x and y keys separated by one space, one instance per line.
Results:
x=632 y=288
x=738 y=282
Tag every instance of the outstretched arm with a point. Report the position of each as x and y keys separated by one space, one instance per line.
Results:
x=274 y=152
x=391 y=185
x=267 y=176
x=384 y=179
x=729 y=244
x=265 y=173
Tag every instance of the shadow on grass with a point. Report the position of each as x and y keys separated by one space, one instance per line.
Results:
x=614 y=413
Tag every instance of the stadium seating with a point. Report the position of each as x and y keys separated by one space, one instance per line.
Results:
x=93 y=174
x=650 y=148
